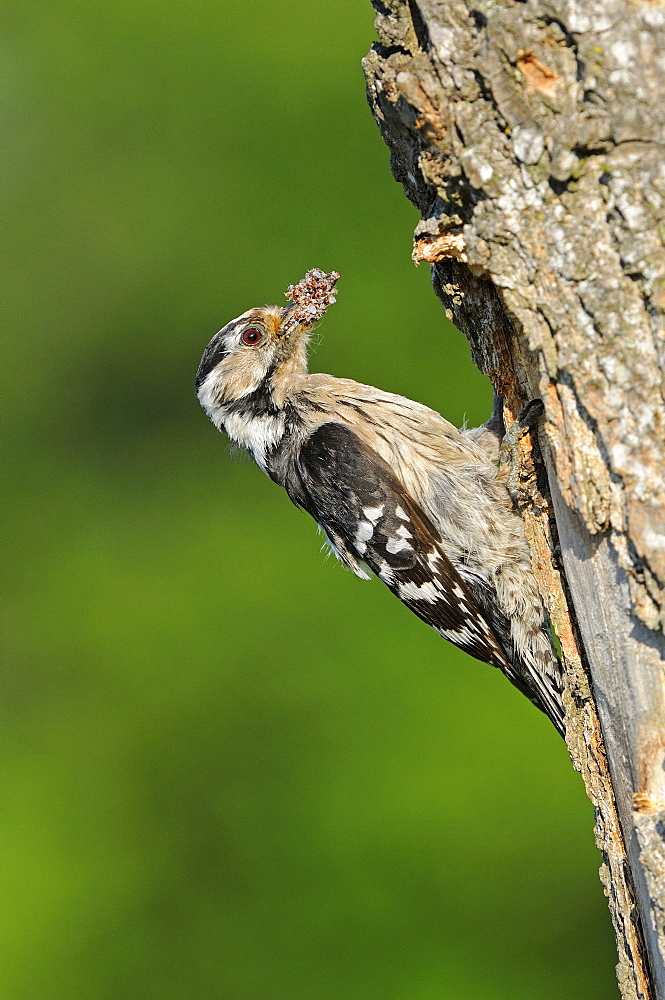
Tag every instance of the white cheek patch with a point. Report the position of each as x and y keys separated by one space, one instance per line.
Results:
x=258 y=434
x=235 y=377
x=209 y=399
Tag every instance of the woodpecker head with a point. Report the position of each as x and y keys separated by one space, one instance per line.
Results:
x=252 y=362
x=248 y=353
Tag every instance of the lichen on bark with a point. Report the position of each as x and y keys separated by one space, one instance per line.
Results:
x=531 y=137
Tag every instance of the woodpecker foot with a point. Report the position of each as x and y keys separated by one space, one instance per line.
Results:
x=526 y=420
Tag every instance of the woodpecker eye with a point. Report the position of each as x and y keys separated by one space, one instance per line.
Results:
x=251 y=336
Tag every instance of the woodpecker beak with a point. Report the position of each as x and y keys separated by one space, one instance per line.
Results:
x=290 y=326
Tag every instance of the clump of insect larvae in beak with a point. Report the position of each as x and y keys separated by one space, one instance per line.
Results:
x=311 y=297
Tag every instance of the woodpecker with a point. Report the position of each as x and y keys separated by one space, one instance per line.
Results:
x=394 y=486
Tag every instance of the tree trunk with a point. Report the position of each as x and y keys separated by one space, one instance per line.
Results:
x=530 y=135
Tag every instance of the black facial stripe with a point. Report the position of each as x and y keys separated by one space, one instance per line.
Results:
x=216 y=351
x=258 y=403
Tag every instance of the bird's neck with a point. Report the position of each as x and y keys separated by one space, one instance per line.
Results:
x=289 y=376
x=261 y=419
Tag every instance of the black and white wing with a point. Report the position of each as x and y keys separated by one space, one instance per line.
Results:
x=367 y=515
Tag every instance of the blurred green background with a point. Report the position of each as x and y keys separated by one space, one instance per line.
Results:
x=229 y=768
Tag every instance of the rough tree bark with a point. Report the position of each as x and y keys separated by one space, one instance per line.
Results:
x=531 y=137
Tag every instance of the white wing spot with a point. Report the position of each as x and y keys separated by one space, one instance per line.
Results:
x=364 y=531
x=396 y=545
x=403 y=532
x=462 y=635
x=374 y=513
x=425 y=592
x=402 y=514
